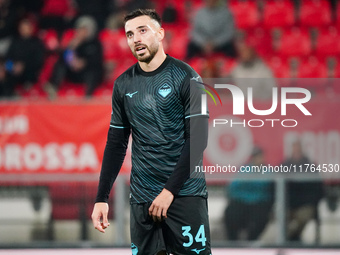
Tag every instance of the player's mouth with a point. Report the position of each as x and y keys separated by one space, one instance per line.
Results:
x=140 y=49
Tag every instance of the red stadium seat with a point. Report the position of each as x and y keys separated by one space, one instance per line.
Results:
x=177 y=38
x=278 y=14
x=50 y=39
x=327 y=42
x=67 y=37
x=104 y=90
x=312 y=67
x=245 y=14
x=47 y=68
x=69 y=89
x=337 y=21
x=35 y=92
x=260 y=39
x=115 y=45
x=315 y=13
x=197 y=64
x=123 y=47
x=178 y=46
x=71 y=200
x=279 y=66
x=57 y=8
x=108 y=39
x=65 y=200
x=294 y=42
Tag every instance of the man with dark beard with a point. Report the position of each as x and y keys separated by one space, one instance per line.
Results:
x=154 y=100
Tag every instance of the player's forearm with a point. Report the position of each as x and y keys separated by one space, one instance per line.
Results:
x=195 y=143
x=114 y=154
x=181 y=172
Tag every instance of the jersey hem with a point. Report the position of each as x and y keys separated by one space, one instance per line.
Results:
x=117 y=126
x=177 y=196
x=194 y=115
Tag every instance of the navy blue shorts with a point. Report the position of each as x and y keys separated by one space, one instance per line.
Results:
x=185 y=231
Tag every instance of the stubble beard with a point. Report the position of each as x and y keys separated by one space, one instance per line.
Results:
x=146 y=58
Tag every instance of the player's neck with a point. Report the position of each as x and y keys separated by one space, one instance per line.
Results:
x=154 y=63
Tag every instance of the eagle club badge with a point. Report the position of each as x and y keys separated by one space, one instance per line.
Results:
x=164 y=90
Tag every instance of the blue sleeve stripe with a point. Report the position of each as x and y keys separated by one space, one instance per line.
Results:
x=196 y=115
x=117 y=126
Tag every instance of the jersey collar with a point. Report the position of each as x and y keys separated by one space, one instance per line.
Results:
x=158 y=70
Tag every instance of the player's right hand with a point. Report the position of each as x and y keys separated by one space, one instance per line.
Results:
x=99 y=216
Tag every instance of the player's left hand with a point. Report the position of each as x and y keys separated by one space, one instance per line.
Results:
x=160 y=205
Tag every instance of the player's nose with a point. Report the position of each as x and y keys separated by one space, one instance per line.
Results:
x=136 y=38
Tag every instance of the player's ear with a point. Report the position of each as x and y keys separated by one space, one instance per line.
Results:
x=161 y=34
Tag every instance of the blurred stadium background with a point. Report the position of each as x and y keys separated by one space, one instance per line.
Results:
x=51 y=150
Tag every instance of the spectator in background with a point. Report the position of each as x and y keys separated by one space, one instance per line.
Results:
x=8 y=22
x=24 y=59
x=213 y=31
x=249 y=203
x=302 y=196
x=251 y=71
x=81 y=61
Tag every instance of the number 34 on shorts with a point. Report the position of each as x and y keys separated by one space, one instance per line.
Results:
x=198 y=238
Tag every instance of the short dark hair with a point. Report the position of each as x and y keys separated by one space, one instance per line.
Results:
x=144 y=12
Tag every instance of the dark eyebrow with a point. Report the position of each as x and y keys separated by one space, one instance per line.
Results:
x=140 y=27
x=144 y=26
